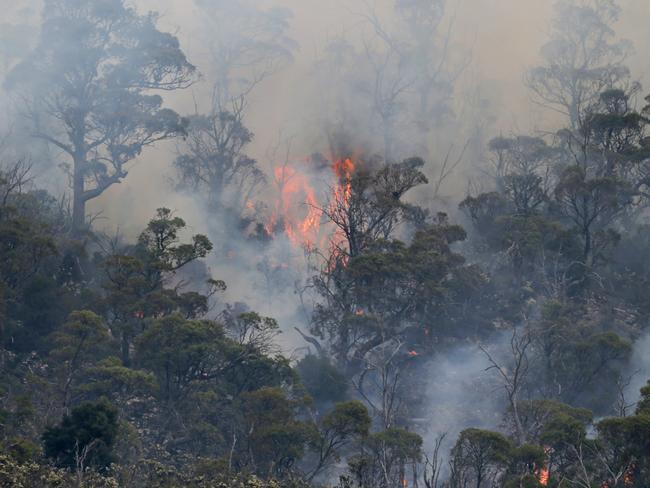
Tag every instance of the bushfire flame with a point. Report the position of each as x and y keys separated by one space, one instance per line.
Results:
x=543 y=476
x=295 y=192
x=543 y=473
x=298 y=213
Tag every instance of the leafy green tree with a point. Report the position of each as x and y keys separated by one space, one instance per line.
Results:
x=479 y=458
x=252 y=330
x=591 y=204
x=136 y=280
x=29 y=298
x=88 y=84
x=76 y=347
x=322 y=380
x=340 y=426
x=181 y=352
x=390 y=452
x=526 y=462
x=274 y=437
x=393 y=284
x=124 y=387
x=622 y=448
x=85 y=437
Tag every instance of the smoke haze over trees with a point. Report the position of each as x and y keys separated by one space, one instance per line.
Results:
x=347 y=244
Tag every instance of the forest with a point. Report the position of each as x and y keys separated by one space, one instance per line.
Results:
x=346 y=244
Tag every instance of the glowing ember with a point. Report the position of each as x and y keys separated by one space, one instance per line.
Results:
x=628 y=477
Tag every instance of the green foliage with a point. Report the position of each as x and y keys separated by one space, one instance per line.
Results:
x=643 y=406
x=135 y=281
x=276 y=438
x=180 y=352
x=85 y=437
x=479 y=457
x=347 y=419
x=74 y=69
x=323 y=381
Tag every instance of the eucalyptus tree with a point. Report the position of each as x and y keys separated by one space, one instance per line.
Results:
x=582 y=59
x=88 y=88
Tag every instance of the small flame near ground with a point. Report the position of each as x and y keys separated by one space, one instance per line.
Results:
x=543 y=473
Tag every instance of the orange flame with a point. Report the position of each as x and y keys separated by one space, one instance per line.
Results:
x=628 y=477
x=544 y=474
x=296 y=193
x=298 y=213
x=343 y=169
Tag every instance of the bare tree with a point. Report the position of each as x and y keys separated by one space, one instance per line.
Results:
x=582 y=59
x=380 y=380
x=246 y=45
x=15 y=178
x=623 y=406
x=213 y=160
x=513 y=375
x=433 y=464
x=80 y=458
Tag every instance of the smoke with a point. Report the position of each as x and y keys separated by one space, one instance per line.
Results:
x=461 y=391
x=638 y=373
x=322 y=92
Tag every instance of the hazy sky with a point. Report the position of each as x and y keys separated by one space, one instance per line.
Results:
x=504 y=37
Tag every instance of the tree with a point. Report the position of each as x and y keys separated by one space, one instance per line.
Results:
x=213 y=161
x=28 y=251
x=246 y=44
x=88 y=84
x=76 y=346
x=401 y=78
x=581 y=60
x=85 y=437
x=181 y=352
x=370 y=205
x=345 y=422
x=479 y=457
x=136 y=279
x=366 y=210
x=254 y=331
x=514 y=376
x=322 y=380
x=391 y=451
x=274 y=437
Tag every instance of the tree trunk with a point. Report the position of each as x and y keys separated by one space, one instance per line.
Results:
x=78 y=202
x=587 y=248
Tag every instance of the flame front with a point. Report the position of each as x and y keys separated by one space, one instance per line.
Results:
x=298 y=212
x=296 y=195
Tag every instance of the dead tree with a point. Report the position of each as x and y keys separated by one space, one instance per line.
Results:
x=513 y=376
